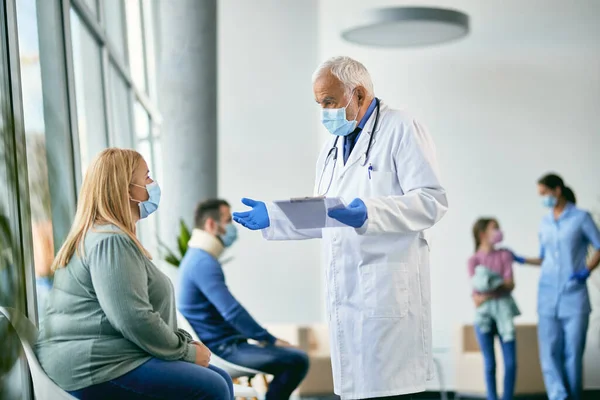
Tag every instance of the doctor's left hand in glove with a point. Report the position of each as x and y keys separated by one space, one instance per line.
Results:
x=255 y=219
x=354 y=215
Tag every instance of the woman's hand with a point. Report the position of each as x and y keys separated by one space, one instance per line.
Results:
x=202 y=354
x=479 y=298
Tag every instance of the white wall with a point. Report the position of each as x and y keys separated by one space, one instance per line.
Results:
x=519 y=97
x=267 y=140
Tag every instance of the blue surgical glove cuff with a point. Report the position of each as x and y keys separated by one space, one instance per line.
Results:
x=520 y=260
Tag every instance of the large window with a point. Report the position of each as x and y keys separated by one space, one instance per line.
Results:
x=16 y=274
x=113 y=75
x=76 y=76
x=35 y=143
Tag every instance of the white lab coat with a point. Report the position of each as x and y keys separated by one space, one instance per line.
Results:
x=377 y=277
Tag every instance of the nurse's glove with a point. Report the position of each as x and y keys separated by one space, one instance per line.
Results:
x=354 y=215
x=255 y=219
x=581 y=275
x=517 y=259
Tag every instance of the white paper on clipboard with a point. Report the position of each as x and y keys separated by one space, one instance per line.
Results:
x=311 y=212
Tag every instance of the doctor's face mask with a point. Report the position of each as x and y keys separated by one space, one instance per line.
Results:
x=339 y=107
x=336 y=120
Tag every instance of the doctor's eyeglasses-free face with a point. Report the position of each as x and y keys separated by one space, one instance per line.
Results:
x=332 y=156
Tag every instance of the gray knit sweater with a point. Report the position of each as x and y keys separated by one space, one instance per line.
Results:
x=108 y=313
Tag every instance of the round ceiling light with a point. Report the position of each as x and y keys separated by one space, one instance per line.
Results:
x=408 y=27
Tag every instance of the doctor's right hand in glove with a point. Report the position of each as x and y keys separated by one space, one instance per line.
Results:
x=254 y=219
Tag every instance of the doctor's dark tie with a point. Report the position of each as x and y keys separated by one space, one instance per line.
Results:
x=349 y=142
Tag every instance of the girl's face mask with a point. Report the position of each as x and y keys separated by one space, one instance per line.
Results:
x=496 y=236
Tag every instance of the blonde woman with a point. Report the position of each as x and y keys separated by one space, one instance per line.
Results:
x=110 y=329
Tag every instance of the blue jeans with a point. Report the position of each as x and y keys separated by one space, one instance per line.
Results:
x=562 y=342
x=509 y=353
x=159 y=379
x=287 y=365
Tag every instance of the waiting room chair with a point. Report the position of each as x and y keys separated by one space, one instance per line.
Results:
x=43 y=387
x=235 y=371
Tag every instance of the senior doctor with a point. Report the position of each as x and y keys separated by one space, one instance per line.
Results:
x=377 y=268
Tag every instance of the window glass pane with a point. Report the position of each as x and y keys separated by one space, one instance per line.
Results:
x=37 y=164
x=144 y=149
x=147 y=228
x=87 y=64
x=92 y=6
x=135 y=43
x=149 y=19
x=142 y=124
x=114 y=24
x=13 y=382
x=121 y=110
x=158 y=170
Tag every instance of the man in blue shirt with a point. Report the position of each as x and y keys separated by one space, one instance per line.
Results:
x=220 y=321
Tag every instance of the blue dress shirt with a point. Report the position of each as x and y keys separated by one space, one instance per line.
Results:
x=351 y=139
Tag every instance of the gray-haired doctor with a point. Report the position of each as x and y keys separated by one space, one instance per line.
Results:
x=377 y=268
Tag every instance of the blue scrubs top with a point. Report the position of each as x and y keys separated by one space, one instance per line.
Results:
x=564 y=245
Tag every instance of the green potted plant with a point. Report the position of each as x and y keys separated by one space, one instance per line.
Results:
x=182 y=245
x=174 y=257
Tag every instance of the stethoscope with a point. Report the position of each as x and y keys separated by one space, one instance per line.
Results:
x=333 y=154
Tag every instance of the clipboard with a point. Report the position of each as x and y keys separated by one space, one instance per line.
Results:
x=311 y=212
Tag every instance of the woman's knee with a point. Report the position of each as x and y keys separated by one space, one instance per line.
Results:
x=212 y=384
x=219 y=388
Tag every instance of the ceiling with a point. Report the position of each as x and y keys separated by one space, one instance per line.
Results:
x=508 y=25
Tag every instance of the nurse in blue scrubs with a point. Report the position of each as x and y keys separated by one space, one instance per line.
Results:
x=566 y=234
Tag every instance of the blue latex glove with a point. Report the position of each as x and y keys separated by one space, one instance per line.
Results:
x=581 y=275
x=354 y=215
x=517 y=259
x=255 y=219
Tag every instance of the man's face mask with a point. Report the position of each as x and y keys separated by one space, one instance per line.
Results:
x=230 y=235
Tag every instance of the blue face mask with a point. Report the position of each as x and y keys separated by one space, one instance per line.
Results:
x=230 y=235
x=334 y=119
x=149 y=206
x=549 y=201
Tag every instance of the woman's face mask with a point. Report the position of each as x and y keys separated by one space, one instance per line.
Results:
x=549 y=201
x=149 y=206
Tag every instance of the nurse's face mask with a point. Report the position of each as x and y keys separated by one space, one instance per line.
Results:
x=549 y=201
x=549 y=197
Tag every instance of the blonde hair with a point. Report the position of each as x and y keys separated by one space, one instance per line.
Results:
x=103 y=198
